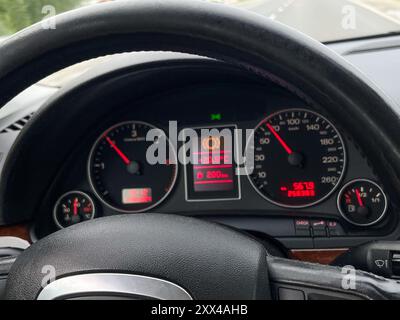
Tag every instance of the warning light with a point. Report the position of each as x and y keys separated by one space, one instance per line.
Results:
x=137 y=196
x=216 y=117
x=211 y=143
x=300 y=189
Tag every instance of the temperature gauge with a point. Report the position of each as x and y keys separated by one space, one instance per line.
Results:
x=72 y=208
x=362 y=202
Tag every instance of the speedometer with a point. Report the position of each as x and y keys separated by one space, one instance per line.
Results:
x=299 y=158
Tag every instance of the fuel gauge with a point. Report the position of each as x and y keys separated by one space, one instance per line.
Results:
x=72 y=208
x=362 y=202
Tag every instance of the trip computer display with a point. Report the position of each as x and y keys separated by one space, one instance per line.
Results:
x=210 y=171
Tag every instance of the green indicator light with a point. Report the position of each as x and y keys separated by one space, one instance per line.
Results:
x=216 y=117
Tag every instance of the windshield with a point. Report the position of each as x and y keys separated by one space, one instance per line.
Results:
x=324 y=20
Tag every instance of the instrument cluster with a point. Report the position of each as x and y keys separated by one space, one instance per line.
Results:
x=292 y=160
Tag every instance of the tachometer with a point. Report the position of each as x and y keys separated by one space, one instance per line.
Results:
x=299 y=158
x=120 y=173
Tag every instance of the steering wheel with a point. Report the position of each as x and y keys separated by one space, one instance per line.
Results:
x=172 y=257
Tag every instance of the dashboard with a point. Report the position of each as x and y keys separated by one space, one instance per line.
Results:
x=310 y=185
x=186 y=153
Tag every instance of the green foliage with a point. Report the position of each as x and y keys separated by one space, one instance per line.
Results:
x=18 y=14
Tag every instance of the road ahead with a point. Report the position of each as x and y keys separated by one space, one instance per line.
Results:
x=324 y=19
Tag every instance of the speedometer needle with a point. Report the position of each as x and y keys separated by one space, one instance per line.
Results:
x=118 y=151
x=278 y=137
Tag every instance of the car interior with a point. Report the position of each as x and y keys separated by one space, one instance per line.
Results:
x=105 y=195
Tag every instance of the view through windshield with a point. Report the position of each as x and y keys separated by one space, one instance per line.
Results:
x=324 y=20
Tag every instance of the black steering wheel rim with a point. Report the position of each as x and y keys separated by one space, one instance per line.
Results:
x=266 y=48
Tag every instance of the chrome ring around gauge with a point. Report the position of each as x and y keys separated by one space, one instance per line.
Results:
x=362 y=202
x=73 y=207
x=120 y=173
x=299 y=158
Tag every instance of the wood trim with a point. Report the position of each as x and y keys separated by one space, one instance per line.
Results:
x=317 y=256
x=19 y=231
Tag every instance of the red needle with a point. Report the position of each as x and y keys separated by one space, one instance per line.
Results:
x=360 y=202
x=278 y=137
x=118 y=151
x=75 y=206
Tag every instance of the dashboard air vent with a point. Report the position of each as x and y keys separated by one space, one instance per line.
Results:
x=17 y=125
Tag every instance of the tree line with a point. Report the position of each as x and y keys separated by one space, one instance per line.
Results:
x=18 y=14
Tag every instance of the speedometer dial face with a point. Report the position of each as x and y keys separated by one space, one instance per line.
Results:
x=299 y=158
x=121 y=174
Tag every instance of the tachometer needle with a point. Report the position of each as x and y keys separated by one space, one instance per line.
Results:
x=278 y=137
x=118 y=151
x=360 y=202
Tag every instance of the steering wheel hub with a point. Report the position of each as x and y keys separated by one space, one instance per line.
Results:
x=145 y=255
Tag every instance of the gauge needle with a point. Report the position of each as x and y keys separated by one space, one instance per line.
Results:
x=278 y=137
x=118 y=151
x=360 y=202
x=75 y=206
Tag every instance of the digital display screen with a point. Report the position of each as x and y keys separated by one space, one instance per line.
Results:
x=137 y=196
x=209 y=176
x=299 y=189
x=212 y=173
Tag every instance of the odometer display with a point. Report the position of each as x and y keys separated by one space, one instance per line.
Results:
x=120 y=173
x=299 y=158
